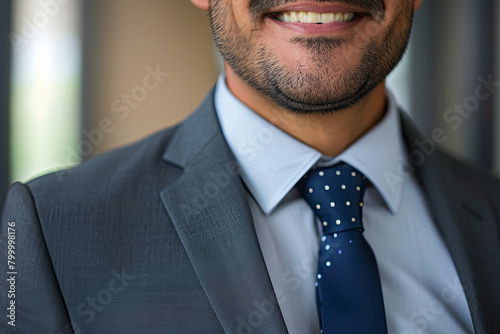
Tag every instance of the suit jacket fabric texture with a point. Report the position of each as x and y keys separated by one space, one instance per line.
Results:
x=158 y=237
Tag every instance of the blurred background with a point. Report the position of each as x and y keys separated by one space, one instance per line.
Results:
x=80 y=77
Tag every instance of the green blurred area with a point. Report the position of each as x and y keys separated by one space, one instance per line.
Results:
x=44 y=128
x=45 y=117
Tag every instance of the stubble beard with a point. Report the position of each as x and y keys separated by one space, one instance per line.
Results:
x=311 y=86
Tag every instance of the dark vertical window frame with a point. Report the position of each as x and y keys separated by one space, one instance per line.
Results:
x=423 y=81
x=431 y=84
x=486 y=44
x=5 y=64
x=90 y=32
x=496 y=129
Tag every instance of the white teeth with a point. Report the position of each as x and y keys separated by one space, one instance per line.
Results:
x=302 y=16
x=312 y=17
x=286 y=17
x=348 y=17
x=327 y=17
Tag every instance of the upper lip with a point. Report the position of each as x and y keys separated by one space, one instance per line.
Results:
x=317 y=7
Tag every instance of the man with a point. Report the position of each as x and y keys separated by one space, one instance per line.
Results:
x=212 y=226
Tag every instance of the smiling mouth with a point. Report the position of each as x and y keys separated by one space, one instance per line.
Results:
x=313 y=17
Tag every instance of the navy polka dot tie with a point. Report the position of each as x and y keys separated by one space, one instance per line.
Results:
x=348 y=287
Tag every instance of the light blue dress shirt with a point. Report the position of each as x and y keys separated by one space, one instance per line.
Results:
x=420 y=285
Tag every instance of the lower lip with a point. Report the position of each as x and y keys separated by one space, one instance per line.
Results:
x=319 y=29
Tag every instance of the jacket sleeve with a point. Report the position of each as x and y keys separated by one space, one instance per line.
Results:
x=30 y=297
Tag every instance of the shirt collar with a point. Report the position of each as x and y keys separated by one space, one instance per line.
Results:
x=272 y=161
x=379 y=155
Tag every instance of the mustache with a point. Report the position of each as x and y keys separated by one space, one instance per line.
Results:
x=257 y=7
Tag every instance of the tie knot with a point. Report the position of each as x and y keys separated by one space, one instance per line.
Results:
x=336 y=196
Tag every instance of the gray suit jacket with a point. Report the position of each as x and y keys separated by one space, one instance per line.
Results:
x=158 y=238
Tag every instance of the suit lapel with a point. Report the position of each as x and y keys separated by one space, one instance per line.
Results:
x=209 y=209
x=465 y=219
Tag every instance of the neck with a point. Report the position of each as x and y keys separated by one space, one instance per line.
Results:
x=329 y=133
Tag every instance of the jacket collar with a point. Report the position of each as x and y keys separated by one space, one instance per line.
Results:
x=208 y=206
x=465 y=218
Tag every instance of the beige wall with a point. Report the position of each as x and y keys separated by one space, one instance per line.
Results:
x=127 y=36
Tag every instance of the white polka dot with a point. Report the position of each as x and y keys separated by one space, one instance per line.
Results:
x=319 y=276
x=338 y=172
x=327 y=247
x=350 y=241
x=327 y=187
x=318 y=206
x=328 y=263
x=361 y=204
x=353 y=220
x=358 y=188
x=348 y=203
x=340 y=251
x=323 y=238
x=335 y=235
x=321 y=173
x=311 y=190
x=338 y=222
x=332 y=204
x=315 y=283
x=325 y=223
x=344 y=187
x=353 y=174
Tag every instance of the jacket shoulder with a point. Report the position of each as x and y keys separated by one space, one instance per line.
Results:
x=472 y=179
x=135 y=155
x=118 y=171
